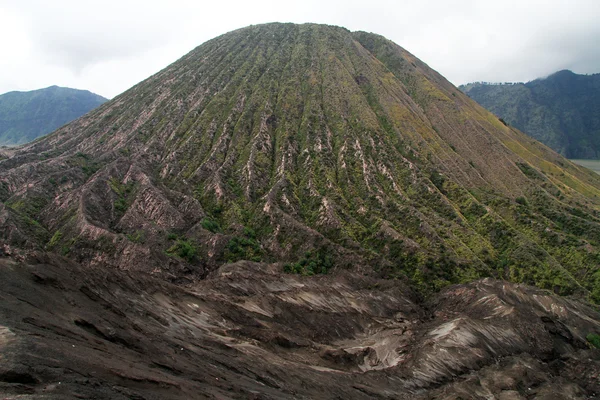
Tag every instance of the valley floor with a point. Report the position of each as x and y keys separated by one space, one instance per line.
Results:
x=594 y=165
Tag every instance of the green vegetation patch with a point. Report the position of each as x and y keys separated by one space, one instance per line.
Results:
x=124 y=192
x=529 y=171
x=210 y=225
x=88 y=166
x=244 y=247
x=185 y=249
x=594 y=340
x=138 y=236
x=4 y=192
x=54 y=239
x=313 y=262
x=30 y=206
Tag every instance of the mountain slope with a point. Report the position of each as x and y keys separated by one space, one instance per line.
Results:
x=296 y=211
x=276 y=141
x=25 y=116
x=560 y=111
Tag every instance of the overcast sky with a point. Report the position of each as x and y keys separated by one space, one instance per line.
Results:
x=108 y=46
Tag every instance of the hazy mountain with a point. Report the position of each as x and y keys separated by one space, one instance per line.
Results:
x=25 y=116
x=561 y=111
x=274 y=216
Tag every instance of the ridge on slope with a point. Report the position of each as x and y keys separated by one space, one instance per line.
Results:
x=559 y=111
x=25 y=116
x=311 y=145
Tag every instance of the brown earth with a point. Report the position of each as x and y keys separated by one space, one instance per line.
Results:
x=248 y=331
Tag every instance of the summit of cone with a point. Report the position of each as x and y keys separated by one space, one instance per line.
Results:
x=311 y=146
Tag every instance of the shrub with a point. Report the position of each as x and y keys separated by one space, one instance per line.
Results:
x=185 y=249
x=85 y=162
x=172 y=236
x=474 y=210
x=522 y=200
x=312 y=263
x=137 y=237
x=210 y=225
x=124 y=193
x=594 y=340
x=4 y=191
x=54 y=239
x=244 y=248
x=437 y=179
x=529 y=171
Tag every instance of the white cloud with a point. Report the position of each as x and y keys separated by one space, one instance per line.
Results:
x=108 y=46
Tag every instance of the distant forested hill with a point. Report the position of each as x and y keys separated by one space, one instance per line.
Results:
x=562 y=110
x=25 y=116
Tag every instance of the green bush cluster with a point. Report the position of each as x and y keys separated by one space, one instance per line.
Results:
x=123 y=192
x=184 y=248
x=529 y=171
x=312 y=263
x=54 y=239
x=137 y=237
x=210 y=225
x=522 y=201
x=244 y=247
x=594 y=340
x=88 y=166
x=4 y=192
x=473 y=211
x=30 y=206
x=437 y=179
x=172 y=236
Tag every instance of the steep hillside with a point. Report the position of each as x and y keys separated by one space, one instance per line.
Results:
x=296 y=211
x=560 y=111
x=287 y=142
x=25 y=116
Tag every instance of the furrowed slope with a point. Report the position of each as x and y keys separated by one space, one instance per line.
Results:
x=311 y=145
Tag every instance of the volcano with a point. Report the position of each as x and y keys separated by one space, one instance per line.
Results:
x=297 y=211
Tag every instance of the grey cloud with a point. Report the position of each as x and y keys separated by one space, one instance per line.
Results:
x=107 y=46
x=78 y=34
